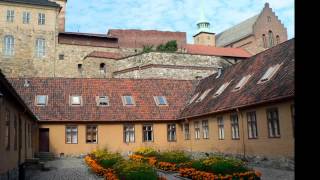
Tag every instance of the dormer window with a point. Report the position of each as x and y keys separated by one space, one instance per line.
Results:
x=269 y=73
x=75 y=100
x=128 y=101
x=41 y=100
x=203 y=95
x=103 y=101
x=221 y=89
x=193 y=98
x=160 y=100
x=242 y=82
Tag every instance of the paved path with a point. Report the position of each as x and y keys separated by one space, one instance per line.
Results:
x=275 y=174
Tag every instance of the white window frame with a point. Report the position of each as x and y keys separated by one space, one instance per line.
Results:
x=10 y=16
x=41 y=104
x=71 y=100
x=128 y=133
x=186 y=131
x=242 y=82
x=220 y=128
x=71 y=134
x=205 y=129
x=41 y=19
x=125 y=103
x=203 y=95
x=26 y=17
x=157 y=100
x=40 y=47
x=98 y=100
x=252 y=125
x=194 y=98
x=146 y=128
x=271 y=71
x=196 y=130
x=221 y=89
x=8 y=45
x=171 y=132
x=235 y=131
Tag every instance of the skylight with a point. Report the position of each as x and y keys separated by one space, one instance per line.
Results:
x=128 y=100
x=160 y=100
x=193 y=98
x=203 y=95
x=242 y=82
x=269 y=73
x=221 y=89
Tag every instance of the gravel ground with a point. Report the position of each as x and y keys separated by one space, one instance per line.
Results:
x=275 y=174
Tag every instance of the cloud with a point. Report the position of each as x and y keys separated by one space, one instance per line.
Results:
x=97 y=16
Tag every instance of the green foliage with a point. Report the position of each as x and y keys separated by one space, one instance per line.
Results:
x=170 y=46
x=130 y=170
x=146 y=152
x=110 y=159
x=147 y=48
x=220 y=165
x=173 y=157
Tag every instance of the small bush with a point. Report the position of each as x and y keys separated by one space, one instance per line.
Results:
x=146 y=152
x=170 y=46
x=132 y=170
x=173 y=157
x=147 y=48
x=110 y=159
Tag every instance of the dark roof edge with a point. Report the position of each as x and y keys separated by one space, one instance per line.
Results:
x=50 y=4
x=88 y=35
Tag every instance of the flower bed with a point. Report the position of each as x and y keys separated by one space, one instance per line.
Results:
x=109 y=173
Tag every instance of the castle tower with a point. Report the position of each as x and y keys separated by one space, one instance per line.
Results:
x=204 y=36
x=62 y=14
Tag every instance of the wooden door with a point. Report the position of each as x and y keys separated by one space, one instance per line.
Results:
x=43 y=140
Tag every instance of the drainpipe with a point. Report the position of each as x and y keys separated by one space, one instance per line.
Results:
x=242 y=124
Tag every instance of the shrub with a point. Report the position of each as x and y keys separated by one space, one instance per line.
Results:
x=173 y=157
x=147 y=48
x=170 y=46
x=146 y=152
x=108 y=160
x=133 y=170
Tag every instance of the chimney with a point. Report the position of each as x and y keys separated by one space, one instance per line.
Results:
x=219 y=72
x=26 y=83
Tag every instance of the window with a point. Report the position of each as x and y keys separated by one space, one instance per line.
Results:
x=242 y=82
x=128 y=133
x=264 y=41
x=10 y=15
x=171 y=132
x=196 y=130
x=205 y=128
x=186 y=131
x=147 y=133
x=41 y=100
x=203 y=95
x=252 y=125
x=269 y=73
x=103 y=69
x=220 y=127
x=61 y=56
x=71 y=135
x=273 y=123
x=235 y=126
x=26 y=17
x=15 y=131
x=80 y=70
x=221 y=89
x=76 y=100
x=102 y=101
x=269 y=19
x=160 y=100
x=128 y=100
x=41 y=19
x=7 y=131
x=193 y=98
x=8 y=47
x=293 y=118
x=92 y=134
x=271 y=43
x=40 y=48
x=278 y=39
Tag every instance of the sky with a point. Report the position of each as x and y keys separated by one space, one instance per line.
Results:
x=97 y=16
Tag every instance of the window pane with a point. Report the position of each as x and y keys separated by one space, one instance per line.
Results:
x=75 y=100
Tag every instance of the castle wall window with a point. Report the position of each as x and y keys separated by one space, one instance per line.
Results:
x=103 y=69
x=171 y=132
x=220 y=128
x=252 y=125
x=264 y=41
x=71 y=135
x=273 y=123
x=10 y=15
x=7 y=131
x=8 y=47
x=205 y=129
x=278 y=39
x=196 y=130
x=61 y=56
x=92 y=134
x=186 y=131
x=128 y=133
x=271 y=39
x=41 y=19
x=235 y=126
x=26 y=17
x=147 y=133
x=40 y=47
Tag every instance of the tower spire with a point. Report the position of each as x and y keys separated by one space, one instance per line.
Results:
x=203 y=24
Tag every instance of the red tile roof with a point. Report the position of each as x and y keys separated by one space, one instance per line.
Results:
x=59 y=89
x=217 y=51
x=133 y=38
x=280 y=86
x=107 y=55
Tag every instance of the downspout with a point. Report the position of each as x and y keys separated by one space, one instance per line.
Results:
x=242 y=124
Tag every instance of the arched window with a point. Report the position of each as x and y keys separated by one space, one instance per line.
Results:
x=8 y=47
x=278 y=39
x=264 y=40
x=271 y=41
x=103 y=68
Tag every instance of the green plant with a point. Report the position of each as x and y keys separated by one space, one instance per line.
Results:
x=173 y=157
x=146 y=152
x=170 y=46
x=147 y=48
x=132 y=170
x=108 y=160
